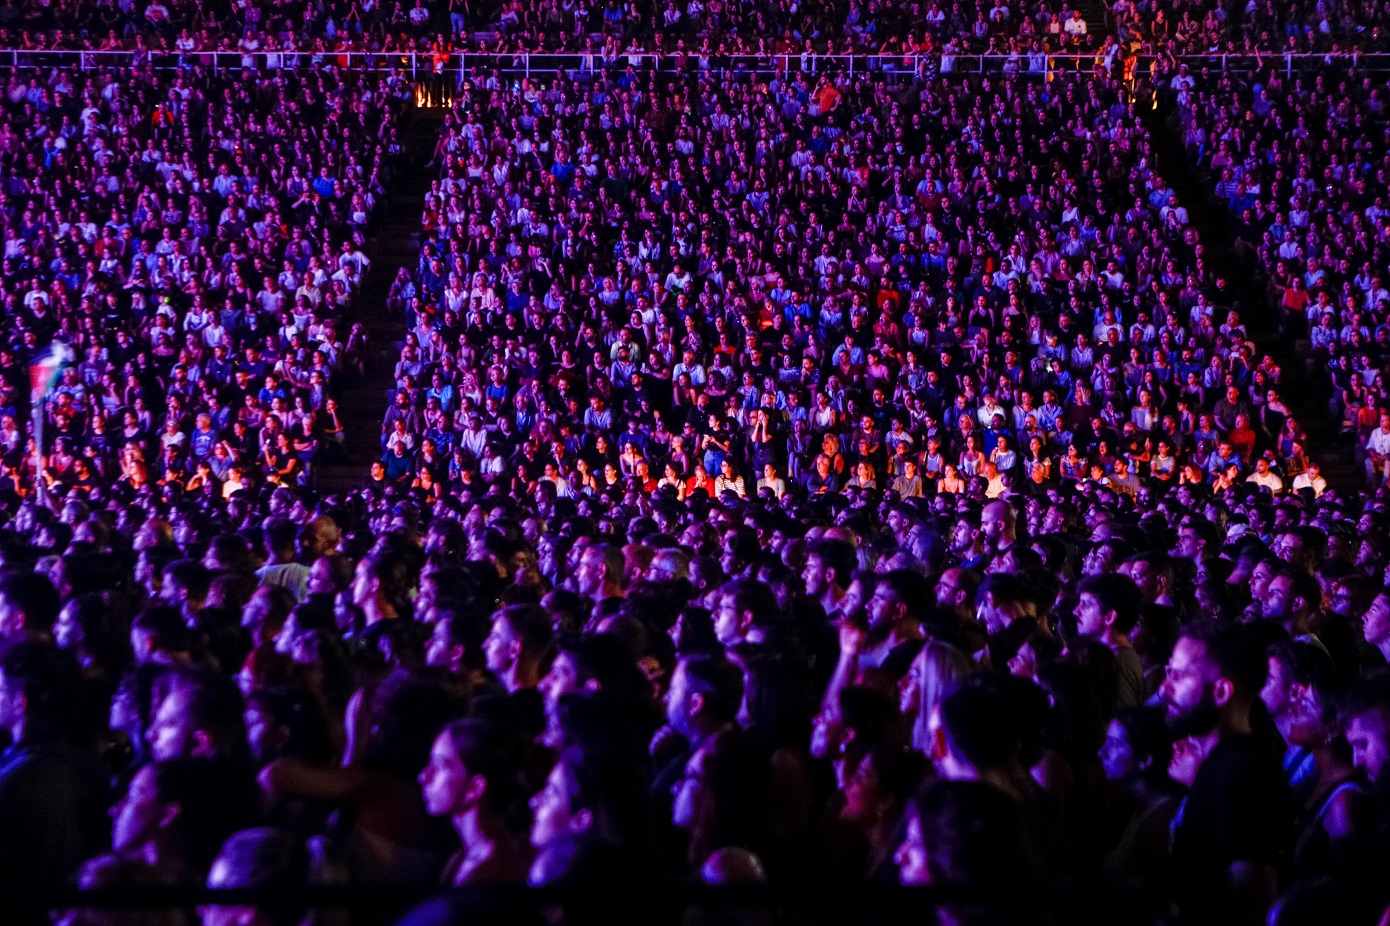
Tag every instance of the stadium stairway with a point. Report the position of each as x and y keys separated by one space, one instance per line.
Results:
x=1301 y=387
x=1095 y=12
x=396 y=244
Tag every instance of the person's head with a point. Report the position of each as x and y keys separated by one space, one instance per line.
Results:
x=200 y=716
x=966 y=834
x=936 y=672
x=1197 y=539
x=722 y=798
x=585 y=794
x=122 y=871
x=186 y=583
x=1291 y=598
x=28 y=605
x=88 y=629
x=742 y=605
x=704 y=695
x=1213 y=676
x=598 y=662
x=456 y=642
x=382 y=582
x=1152 y=573
x=318 y=538
x=1137 y=745
x=1003 y=599
x=39 y=684
x=900 y=597
x=1367 y=718
x=997 y=524
x=475 y=765
x=1375 y=623
x=981 y=726
x=600 y=571
x=519 y=634
x=956 y=589
x=1107 y=604
x=266 y=858
x=829 y=565
x=184 y=808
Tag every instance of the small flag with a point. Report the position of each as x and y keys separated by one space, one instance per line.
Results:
x=44 y=372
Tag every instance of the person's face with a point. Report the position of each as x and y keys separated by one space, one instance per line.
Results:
x=138 y=816
x=678 y=700
x=551 y=813
x=1147 y=579
x=1288 y=547
x=1117 y=754
x=500 y=647
x=688 y=793
x=883 y=609
x=1275 y=693
x=1370 y=745
x=1186 y=694
x=590 y=574
x=864 y=797
x=814 y=575
x=1376 y=621
x=364 y=585
x=1189 y=546
x=171 y=734
x=911 y=857
x=562 y=679
x=1090 y=617
x=728 y=624
x=1260 y=578
x=1279 y=601
x=1188 y=755
x=855 y=598
x=67 y=633
x=320 y=579
x=439 y=649
x=444 y=780
x=962 y=537
x=948 y=590
x=993 y=523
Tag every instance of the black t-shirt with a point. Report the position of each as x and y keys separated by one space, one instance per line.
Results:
x=1238 y=810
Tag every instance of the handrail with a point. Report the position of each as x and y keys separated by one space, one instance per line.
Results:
x=458 y=62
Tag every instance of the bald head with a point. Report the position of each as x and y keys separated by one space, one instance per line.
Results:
x=997 y=524
x=841 y=533
x=319 y=538
x=733 y=866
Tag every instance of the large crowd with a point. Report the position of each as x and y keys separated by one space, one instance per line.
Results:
x=196 y=243
x=802 y=477
x=1301 y=166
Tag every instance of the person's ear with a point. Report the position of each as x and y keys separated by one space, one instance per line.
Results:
x=202 y=744
x=475 y=789
x=697 y=704
x=171 y=814
x=1223 y=691
x=939 y=748
x=582 y=821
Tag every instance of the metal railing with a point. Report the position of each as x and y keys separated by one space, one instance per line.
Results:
x=420 y=65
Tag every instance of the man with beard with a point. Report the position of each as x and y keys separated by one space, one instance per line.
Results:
x=1232 y=834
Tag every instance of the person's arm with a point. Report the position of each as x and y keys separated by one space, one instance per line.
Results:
x=851 y=641
x=296 y=778
x=1254 y=887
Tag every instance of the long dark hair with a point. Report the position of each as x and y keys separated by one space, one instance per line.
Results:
x=735 y=809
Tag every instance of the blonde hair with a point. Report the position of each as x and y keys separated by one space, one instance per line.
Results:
x=942 y=669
